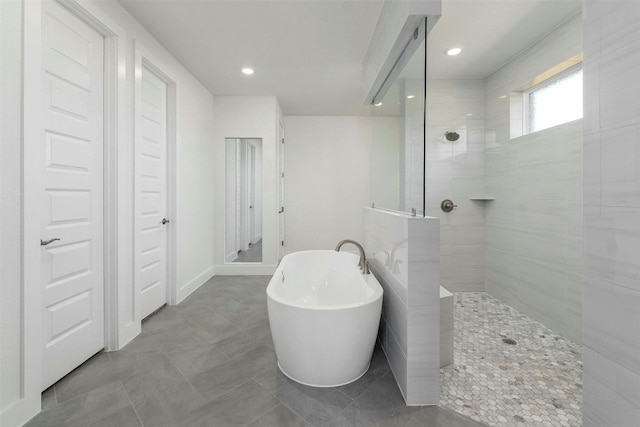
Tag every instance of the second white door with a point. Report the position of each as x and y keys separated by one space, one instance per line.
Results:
x=151 y=188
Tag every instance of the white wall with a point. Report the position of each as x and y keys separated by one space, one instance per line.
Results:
x=194 y=139
x=611 y=376
x=455 y=171
x=533 y=229
x=14 y=408
x=194 y=216
x=384 y=180
x=326 y=180
x=195 y=204
x=247 y=117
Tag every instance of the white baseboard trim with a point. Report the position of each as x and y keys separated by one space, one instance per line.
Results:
x=245 y=269
x=21 y=411
x=126 y=334
x=231 y=256
x=195 y=283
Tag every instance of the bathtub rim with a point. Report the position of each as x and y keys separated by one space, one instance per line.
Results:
x=323 y=386
x=370 y=281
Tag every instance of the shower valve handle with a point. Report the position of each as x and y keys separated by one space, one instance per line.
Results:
x=447 y=205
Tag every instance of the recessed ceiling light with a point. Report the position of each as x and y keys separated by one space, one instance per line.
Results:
x=453 y=51
x=469 y=114
x=410 y=96
x=248 y=71
x=377 y=104
x=503 y=96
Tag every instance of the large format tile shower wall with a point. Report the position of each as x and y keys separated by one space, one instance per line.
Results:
x=611 y=213
x=534 y=227
x=455 y=170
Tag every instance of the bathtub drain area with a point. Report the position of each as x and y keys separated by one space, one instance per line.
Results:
x=510 y=370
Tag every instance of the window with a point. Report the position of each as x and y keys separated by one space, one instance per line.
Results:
x=555 y=101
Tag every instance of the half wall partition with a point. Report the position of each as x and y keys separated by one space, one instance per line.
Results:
x=402 y=243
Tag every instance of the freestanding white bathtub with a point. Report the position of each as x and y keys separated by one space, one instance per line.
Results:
x=324 y=315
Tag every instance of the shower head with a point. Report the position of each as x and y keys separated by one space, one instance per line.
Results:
x=451 y=136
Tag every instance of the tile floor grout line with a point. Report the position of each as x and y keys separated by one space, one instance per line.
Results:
x=360 y=395
x=131 y=403
x=272 y=392
x=345 y=394
x=189 y=382
x=244 y=352
x=292 y=410
x=265 y=413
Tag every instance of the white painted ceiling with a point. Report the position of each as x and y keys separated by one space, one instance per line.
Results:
x=491 y=32
x=309 y=53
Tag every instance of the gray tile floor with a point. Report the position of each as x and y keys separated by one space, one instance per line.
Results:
x=210 y=362
x=253 y=254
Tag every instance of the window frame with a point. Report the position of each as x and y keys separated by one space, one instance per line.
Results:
x=526 y=103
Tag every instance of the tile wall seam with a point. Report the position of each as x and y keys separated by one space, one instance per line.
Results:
x=613 y=361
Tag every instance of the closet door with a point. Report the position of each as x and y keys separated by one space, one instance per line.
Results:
x=151 y=189
x=72 y=193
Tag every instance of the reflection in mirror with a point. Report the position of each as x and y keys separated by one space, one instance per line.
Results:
x=243 y=200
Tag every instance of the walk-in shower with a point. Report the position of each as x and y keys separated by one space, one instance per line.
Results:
x=510 y=211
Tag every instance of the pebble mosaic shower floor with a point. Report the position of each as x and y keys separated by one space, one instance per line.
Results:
x=535 y=382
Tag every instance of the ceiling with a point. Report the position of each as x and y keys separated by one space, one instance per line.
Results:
x=309 y=53
x=491 y=32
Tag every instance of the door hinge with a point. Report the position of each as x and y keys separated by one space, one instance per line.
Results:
x=282 y=174
x=283 y=140
x=282 y=243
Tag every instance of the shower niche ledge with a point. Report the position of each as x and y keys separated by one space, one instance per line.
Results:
x=482 y=198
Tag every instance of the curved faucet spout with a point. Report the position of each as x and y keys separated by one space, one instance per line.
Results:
x=364 y=266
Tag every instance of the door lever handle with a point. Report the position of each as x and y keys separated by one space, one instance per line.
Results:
x=46 y=242
x=165 y=220
x=281 y=210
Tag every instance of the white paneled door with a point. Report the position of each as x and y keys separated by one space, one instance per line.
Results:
x=151 y=177
x=72 y=193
